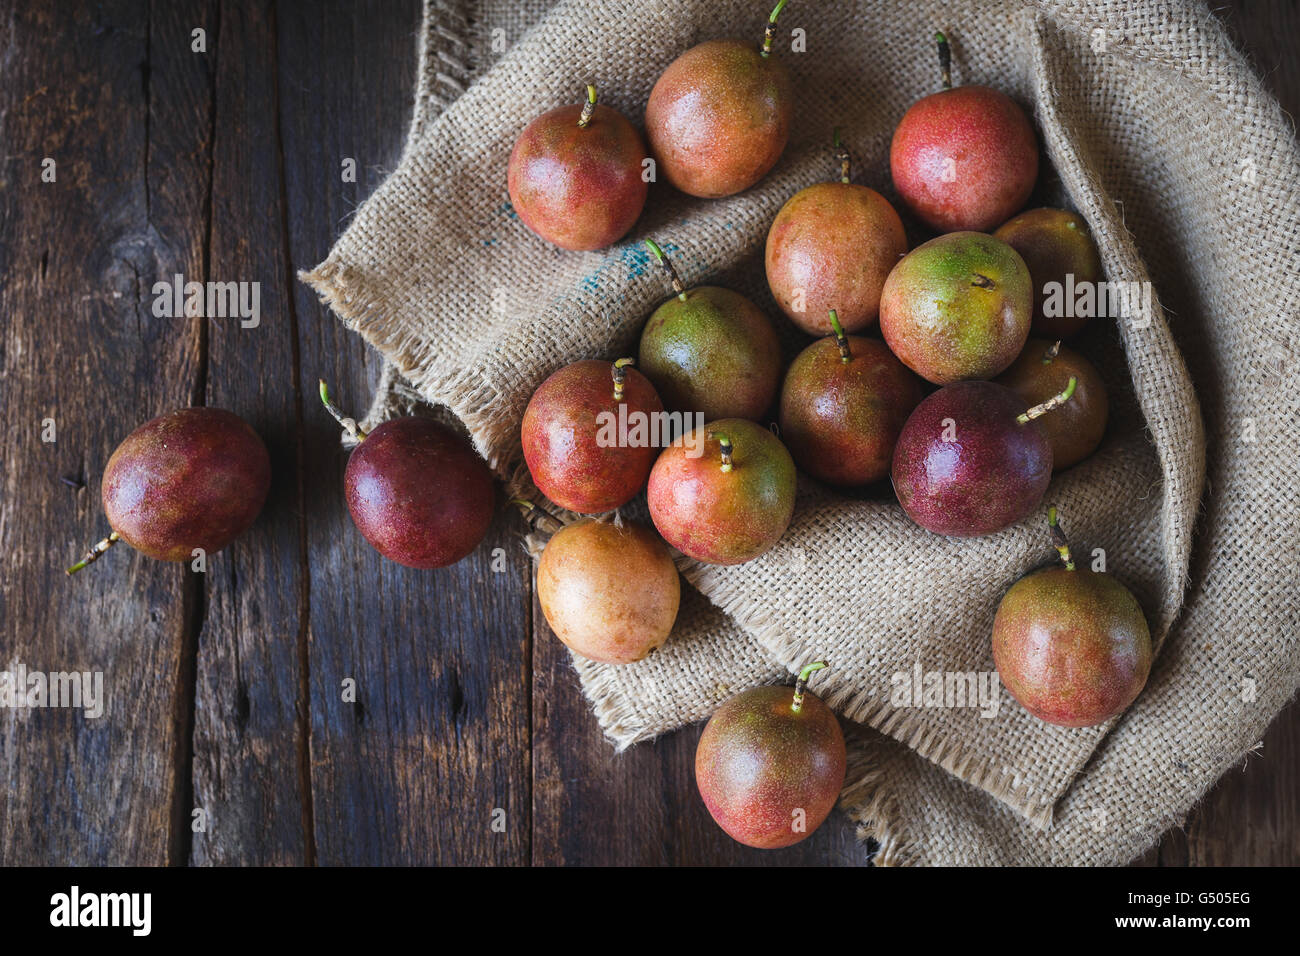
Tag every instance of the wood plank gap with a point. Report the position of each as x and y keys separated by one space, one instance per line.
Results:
x=193 y=598
x=194 y=592
x=200 y=394
x=530 y=643
x=303 y=705
x=146 y=75
x=195 y=608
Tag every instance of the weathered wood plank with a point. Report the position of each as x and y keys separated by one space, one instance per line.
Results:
x=125 y=121
x=438 y=737
x=250 y=725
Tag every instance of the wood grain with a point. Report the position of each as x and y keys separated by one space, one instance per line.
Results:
x=80 y=344
x=250 y=725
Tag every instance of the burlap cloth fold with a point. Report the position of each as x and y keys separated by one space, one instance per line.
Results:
x=1159 y=134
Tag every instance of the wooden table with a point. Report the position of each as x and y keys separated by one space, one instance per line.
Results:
x=226 y=689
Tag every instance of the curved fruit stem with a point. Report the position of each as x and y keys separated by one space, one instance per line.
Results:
x=1053 y=350
x=1059 y=540
x=796 y=705
x=841 y=339
x=667 y=265
x=94 y=553
x=349 y=424
x=620 y=376
x=588 y=107
x=842 y=154
x=724 y=448
x=769 y=34
x=1056 y=401
x=945 y=60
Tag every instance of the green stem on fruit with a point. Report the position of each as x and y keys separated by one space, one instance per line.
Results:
x=94 y=553
x=620 y=376
x=842 y=154
x=349 y=424
x=945 y=60
x=1059 y=540
x=841 y=339
x=1050 y=355
x=1056 y=401
x=588 y=108
x=769 y=34
x=796 y=705
x=724 y=449
x=667 y=265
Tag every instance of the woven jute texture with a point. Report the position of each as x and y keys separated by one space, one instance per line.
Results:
x=1157 y=132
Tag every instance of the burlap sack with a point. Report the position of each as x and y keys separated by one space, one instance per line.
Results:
x=1160 y=136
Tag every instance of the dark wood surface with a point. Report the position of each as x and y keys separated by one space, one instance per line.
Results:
x=226 y=688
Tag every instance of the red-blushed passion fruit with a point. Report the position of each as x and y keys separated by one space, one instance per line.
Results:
x=609 y=592
x=832 y=246
x=710 y=350
x=1070 y=644
x=727 y=498
x=965 y=158
x=770 y=764
x=719 y=117
x=843 y=404
x=416 y=490
x=575 y=455
x=1077 y=428
x=575 y=175
x=957 y=307
x=192 y=479
x=970 y=462
x=1059 y=251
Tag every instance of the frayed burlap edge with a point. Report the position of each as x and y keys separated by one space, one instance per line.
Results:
x=474 y=401
x=872 y=805
x=613 y=710
x=445 y=66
